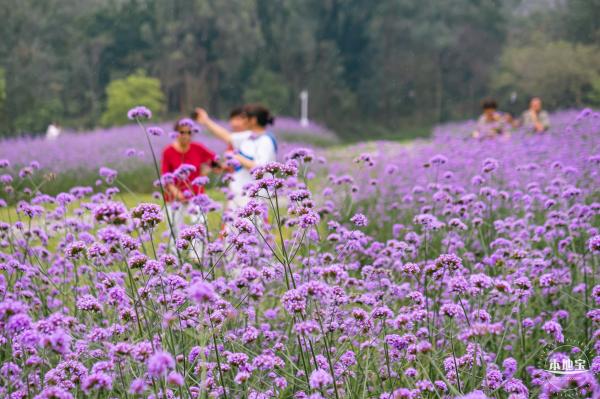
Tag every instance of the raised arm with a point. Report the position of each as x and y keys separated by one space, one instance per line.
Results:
x=245 y=162
x=213 y=127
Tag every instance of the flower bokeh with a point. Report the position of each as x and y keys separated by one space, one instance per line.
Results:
x=444 y=269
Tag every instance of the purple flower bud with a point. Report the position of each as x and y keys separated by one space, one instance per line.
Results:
x=139 y=112
x=160 y=363
x=320 y=379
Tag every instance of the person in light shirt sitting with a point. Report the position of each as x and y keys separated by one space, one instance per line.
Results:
x=492 y=123
x=535 y=118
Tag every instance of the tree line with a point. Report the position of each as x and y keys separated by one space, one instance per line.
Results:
x=371 y=67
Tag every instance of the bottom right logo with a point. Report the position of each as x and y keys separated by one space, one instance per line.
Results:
x=569 y=367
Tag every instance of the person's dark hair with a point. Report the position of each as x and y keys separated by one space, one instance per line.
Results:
x=489 y=103
x=262 y=114
x=237 y=111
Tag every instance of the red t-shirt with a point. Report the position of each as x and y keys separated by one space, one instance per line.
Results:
x=196 y=155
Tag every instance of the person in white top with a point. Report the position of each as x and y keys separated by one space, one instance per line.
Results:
x=251 y=148
x=53 y=131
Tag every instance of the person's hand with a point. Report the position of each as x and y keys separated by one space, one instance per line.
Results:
x=201 y=116
x=176 y=193
x=539 y=127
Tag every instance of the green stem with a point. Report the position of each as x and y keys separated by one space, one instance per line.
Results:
x=160 y=185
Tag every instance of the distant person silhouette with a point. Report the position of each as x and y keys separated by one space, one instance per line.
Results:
x=535 y=118
x=492 y=123
x=53 y=131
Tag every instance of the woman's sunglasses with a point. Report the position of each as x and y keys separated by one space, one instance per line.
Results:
x=185 y=132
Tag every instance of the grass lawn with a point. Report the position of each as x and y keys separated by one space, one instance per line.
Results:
x=10 y=214
x=130 y=199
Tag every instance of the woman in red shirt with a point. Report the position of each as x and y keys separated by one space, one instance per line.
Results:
x=181 y=165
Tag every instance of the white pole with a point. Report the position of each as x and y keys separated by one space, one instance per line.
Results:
x=304 y=108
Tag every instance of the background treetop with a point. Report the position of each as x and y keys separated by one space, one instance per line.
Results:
x=385 y=66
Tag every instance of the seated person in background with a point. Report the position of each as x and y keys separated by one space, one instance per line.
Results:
x=535 y=118
x=491 y=123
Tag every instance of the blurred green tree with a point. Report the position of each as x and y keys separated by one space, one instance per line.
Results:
x=384 y=66
x=594 y=95
x=123 y=94
x=268 y=88
x=580 y=19
x=38 y=117
x=559 y=72
x=2 y=92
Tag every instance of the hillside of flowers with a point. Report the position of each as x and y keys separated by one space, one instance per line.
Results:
x=452 y=268
x=74 y=158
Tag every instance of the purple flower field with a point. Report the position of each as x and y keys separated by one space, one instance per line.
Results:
x=449 y=268
x=125 y=146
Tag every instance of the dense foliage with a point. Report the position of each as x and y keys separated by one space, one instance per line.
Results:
x=123 y=94
x=370 y=67
x=447 y=269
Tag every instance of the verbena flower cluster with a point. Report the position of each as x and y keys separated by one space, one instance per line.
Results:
x=449 y=269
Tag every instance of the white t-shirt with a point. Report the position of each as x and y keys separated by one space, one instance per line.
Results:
x=52 y=132
x=259 y=148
